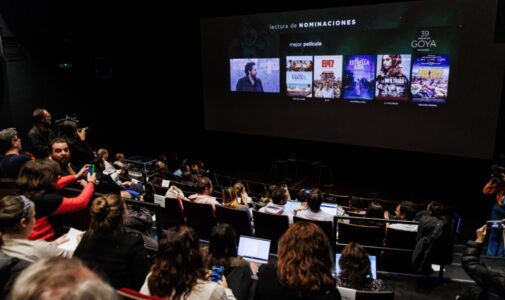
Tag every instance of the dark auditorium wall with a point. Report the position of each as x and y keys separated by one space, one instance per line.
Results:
x=135 y=40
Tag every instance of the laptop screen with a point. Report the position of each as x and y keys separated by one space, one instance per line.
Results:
x=254 y=249
x=290 y=206
x=373 y=265
x=329 y=208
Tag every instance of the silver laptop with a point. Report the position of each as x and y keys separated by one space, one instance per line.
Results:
x=330 y=208
x=373 y=265
x=290 y=206
x=254 y=249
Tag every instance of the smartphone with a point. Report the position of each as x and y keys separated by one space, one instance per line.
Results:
x=91 y=169
x=217 y=273
x=494 y=224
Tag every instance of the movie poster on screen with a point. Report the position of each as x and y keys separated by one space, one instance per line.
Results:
x=328 y=76
x=359 y=74
x=430 y=78
x=299 y=76
x=392 y=77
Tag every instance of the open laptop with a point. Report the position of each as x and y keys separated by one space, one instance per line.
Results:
x=373 y=265
x=330 y=208
x=254 y=249
x=290 y=206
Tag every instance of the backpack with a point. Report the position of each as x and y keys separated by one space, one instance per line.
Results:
x=427 y=243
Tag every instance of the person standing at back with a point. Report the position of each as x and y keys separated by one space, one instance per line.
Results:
x=40 y=135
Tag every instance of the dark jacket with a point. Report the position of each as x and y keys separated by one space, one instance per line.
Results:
x=120 y=257
x=434 y=244
x=491 y=281
x=269 y=287
x=10 y=267
x=39 y=140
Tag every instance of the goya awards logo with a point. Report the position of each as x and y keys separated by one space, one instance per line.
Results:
x=424 y=42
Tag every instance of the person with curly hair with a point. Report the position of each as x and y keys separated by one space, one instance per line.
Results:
x=355 y=270
x=179 y=270
x=303 y=269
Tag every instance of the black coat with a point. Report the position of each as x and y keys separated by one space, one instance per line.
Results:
x=10 y=267
x=119 y=257
x=491 y=281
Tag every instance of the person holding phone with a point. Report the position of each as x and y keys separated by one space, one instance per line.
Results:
x=179 y=270
x=496 y=187
x=39 y=180
x=491 y=281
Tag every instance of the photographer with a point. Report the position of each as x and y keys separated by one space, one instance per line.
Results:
x=490 y=281
x=76 y=140
x=496 y=186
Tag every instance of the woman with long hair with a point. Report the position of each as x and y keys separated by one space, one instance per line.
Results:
x=230 y=200
x=243 y=197
x=355 y=270
x=109 y=249
x=223 y=252
x=179 y=270
x=39 y=180
x=303 y=269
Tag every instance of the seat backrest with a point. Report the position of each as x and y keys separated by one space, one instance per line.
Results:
x=271 y=227
x=366 y=295
x=7 y=187
x=173 y=214
x=200 y=217
x=326 y=226
x=404 y=239
x=238 y=219
x=154 y=207
x=362 y=234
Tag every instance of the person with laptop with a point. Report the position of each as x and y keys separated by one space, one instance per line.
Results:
x=303 y=269
x=223 y=252
x=355 y=270
x=276 y=207
x=314 y=211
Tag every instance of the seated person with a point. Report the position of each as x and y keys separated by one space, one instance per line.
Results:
x=223 y=252
x=39 y=181
x=356 y=207
x=303 y=270
x=355 y=272
x=179 y=270
x=203 y=192
x=108 y=249
x=230 y=200
x=10 y=147
x=60 y=278
x=375 y=211
x=243 y=198
x=17 y=218
x=405 y=211
x=314 y=211
x=276 y=207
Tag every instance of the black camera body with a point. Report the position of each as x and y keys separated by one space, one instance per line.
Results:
x=496 y=173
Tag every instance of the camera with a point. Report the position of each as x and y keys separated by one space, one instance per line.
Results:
x=68 y=118
x=496 y=173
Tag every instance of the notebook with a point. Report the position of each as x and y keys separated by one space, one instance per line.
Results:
x=254 y=249
x=373 y=265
